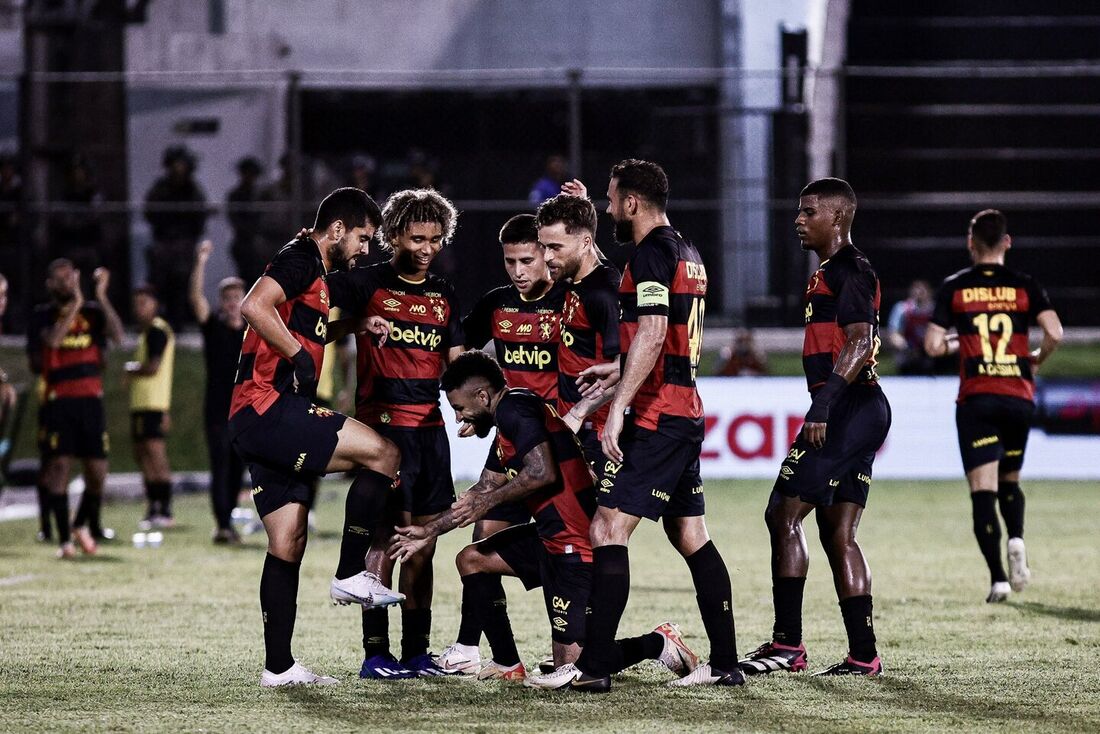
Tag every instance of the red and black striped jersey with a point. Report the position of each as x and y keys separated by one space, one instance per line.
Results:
x=843 y=290
x=73 y=369
x=589 y=334
x=666 y=277
x=399 y=380
x=262 y=373
x=525 y=334
x=991 y=308
x=563 y=511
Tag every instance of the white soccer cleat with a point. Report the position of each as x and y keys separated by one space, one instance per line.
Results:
x=460 y=659
x=296 y=675
x=704 y=675
x=365 y=589
x=1018 y=573
x=676 y=656
x=998 y=592
x=560 y=678
x=492 y=671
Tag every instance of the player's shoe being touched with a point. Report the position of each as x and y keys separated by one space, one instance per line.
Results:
x=460 y=659
x=493 y=671
x=385 y=666
x=546 y=665
x=676 y=656
x=554 y=679
x=705 y=675
x=585 y=683
x=772 y=656
x=426 y=665
x=1018 y=573
x=851 y=666
x=363 y=588
x=296 y=675
x=998 y=592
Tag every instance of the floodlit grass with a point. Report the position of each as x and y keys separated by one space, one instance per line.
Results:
x=169 y=638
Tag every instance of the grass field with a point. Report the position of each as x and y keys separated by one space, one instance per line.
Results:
x=169 y=638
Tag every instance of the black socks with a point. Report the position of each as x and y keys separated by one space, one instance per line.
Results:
x=363 y=509
x=787 y=601
x=279 y=604
x=987 y=529
x=59 y=506
x=416 y=632
x=860 y=627
x=469 y=628
x=491 y=609
x=376 y=632
x=44 y=510
x=1011 y=501
x=636 y=649
x=610 y=589
x=715 y=597
x=159 y=495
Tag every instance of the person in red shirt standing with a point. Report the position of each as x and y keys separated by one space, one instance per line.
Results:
x=287 y=440
x=66 y=345
x=990 y=308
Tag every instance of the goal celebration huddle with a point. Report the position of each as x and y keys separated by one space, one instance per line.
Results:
x=586 y=379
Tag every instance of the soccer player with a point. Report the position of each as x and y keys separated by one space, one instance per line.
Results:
x=150 y=376
x=222 y=335
x=398 y=396
x=590 y=318
x=828 y=467
x=535 y=459
x=522 y=320
x=287 y=441
x=990 y=308
x=66 y=345
x=653 y=463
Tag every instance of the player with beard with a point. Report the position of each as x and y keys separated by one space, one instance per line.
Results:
x=653 y=461
x=398 y=395
x=66 y=345
x=522 y=320
x=828 y=467
x=991 y=307
x=287 y=441
x=535 y=459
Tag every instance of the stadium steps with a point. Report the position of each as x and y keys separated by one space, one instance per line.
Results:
x=928 y=142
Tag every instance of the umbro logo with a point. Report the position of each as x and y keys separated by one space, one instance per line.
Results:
x=392 y=304
x=505 y=325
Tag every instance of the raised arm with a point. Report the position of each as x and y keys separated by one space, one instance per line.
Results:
x=199 y=305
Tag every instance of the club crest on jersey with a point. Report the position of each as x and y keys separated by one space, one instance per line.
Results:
x=321 y=412
x=440 y=313
x=546 y=330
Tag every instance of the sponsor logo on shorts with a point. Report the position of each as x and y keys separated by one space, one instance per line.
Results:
x=794 y=455
x=256 y=490
x=612 y=468
x=300 y=462
x=561 y=605
x=786 y=471
x=834 y=482
x=606 y=483
x=559 y=624
x=697 y=490
x=865 y=478
x=1015 y=452
x=984 y=442
x=663 y=496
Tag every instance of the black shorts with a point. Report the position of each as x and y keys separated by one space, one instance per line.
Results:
x=426 y=482
x=566 y=579
x=659 y=476
x=593 y=451
x=841 y=470
x=993 y=428
x=146 y=424
x=273 y=489
x=513 y=513
x=294 y=437
x=73 y=427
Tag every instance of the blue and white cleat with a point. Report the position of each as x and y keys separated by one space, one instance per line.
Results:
x=425 y=665
x=385 y=667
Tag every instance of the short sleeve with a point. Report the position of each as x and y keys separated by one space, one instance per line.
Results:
x=942 y=314
x=856 y=302
x=521 y=420
x=294 y=269
x=654 y=268
x=156 y=341
x=350 y=291
x=478 y=324
x=492 y=461
x=602 y=307
x=1037 y=298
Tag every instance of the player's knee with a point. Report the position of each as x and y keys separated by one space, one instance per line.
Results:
x=388 y=459
x=469 y=560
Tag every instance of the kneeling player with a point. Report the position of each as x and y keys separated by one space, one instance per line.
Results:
x=537 y=459
x=828 y=468
x=288 y=441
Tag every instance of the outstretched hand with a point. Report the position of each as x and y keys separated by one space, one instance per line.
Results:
x=574 y=188
x=407 y=541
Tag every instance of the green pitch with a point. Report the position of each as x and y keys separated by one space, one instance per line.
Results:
x=168 y=639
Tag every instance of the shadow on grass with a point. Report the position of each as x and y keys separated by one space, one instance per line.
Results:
x=320 y=705
x=1070 y=614
x=907 y=694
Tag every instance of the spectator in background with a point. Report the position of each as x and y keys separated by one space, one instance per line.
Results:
x=250 y=249
x=175 y=208
x=905 y=330
x=77 y=231
x=549 y=185
x=150 y=375
x=222 y=334
x=742 y=358
x=362 y=173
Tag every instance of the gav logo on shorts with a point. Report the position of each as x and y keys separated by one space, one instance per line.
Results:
x=523 y=355
x=416 y=336
x=794 y=455
x=561 y=605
